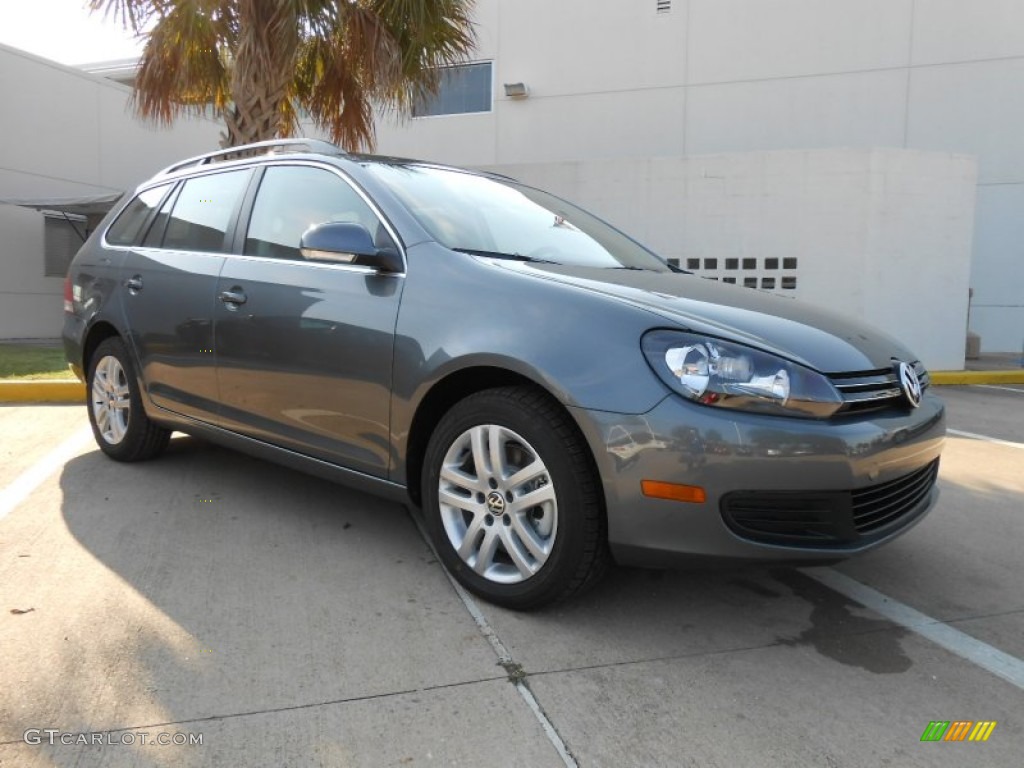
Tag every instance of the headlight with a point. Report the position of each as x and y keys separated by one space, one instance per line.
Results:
x=728 y=375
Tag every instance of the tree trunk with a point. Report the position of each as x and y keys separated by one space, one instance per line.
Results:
x=263 y=64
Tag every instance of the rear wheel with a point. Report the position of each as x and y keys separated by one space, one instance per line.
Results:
x=119 y=422
x=511 y=499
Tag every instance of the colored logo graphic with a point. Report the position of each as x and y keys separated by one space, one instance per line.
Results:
x=958 y=730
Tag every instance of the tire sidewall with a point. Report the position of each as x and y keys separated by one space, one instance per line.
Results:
x=558 y=569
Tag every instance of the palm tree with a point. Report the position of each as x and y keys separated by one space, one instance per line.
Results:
x=259 y=63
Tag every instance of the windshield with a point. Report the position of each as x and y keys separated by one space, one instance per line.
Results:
x=500 y=218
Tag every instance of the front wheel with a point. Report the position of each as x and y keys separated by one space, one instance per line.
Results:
x=512 y=501
x=119 y=422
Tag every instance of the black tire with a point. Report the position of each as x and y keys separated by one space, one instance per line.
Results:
x=577 y=539
x=139 y=439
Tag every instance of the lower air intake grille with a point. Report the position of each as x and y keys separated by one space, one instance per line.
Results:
x=835 y=519
x=875 y=507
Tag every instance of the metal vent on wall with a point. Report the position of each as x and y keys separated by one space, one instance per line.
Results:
x=768 y=274
x=664 y=6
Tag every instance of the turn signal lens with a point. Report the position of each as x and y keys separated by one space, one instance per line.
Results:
x=656 y=489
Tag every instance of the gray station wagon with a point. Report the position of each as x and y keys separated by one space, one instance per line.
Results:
x=551 y=394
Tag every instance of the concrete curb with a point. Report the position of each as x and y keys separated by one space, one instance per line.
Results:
x=977 y=377
x=49 y=391
x=42 y=391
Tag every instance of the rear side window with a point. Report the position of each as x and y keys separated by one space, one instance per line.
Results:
x=293 y=198
x=203 y=211
x=129 y=225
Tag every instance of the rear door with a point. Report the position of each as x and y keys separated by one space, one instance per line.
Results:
x=169 y=282
x=304 y=349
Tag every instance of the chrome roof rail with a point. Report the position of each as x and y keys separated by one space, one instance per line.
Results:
x=247 y=150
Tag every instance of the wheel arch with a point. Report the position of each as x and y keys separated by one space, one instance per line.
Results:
x=96 y=335
x=448 y=391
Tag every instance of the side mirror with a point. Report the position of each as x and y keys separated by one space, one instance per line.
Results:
x=348 y=244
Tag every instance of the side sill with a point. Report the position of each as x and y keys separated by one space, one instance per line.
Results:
x=283 y=456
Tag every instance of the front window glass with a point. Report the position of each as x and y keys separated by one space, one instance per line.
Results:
x=500 y=218
x=293 y=198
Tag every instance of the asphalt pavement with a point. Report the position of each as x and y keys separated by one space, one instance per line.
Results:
x=285 y=621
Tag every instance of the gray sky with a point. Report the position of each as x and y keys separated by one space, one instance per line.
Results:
x=65 y=31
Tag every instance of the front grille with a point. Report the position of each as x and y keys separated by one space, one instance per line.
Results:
x=876 y=507
x=873 y=390
x=833 y=519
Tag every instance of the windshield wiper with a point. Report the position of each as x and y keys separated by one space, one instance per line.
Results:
x=502 y=255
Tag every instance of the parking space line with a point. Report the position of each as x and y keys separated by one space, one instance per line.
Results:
x=1003 y=665
x=986 y=438
x=1004 y=389
x=19 y=490
x=502 y=652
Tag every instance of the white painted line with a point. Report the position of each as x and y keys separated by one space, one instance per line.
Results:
x=1009 y=668
x=986 y=438
x=1004 y=389
x=33 y=477
x=501 y=651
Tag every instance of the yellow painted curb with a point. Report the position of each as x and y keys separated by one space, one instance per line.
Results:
x=977 y=377
x=42 y=391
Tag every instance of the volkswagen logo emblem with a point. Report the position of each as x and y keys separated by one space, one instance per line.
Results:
x=910 y=384
x=496 y=503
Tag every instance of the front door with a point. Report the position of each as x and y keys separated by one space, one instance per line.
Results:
x=304 y=349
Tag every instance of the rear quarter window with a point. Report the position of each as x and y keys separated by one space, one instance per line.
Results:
x=127 y=229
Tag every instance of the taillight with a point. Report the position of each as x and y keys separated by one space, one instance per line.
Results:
x=69 y=300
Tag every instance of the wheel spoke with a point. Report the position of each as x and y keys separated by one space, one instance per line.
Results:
x=496 y=446
x=469 y=541
x=117 y=427
x=478 y=438
x=533 y=498
x=103 y=418
x=530 y=538
x=467 y=503
x=519 y=557
x=459 y=479
x=112 y=369
x=531 y=471
x=485 y=555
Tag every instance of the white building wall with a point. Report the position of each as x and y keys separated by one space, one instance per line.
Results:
x=614 y=78
x=65 y=133
x=882 y=235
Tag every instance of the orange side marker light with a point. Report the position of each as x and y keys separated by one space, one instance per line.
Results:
x=656 y=489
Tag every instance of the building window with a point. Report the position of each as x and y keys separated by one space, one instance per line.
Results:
x=63 y=235
x=462 y=90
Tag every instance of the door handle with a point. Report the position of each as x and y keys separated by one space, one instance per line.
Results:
x=236 y=296
x=134 y=283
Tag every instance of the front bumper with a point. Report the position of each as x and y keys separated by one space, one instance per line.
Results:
x=745 y=456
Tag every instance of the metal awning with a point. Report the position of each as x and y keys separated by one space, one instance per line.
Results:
x=88 y=205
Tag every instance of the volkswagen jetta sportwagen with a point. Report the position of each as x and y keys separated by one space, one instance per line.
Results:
x=549 y=392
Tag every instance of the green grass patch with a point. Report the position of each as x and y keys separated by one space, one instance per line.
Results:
x=24 y=361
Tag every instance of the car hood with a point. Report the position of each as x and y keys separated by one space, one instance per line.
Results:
x=815 y=337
